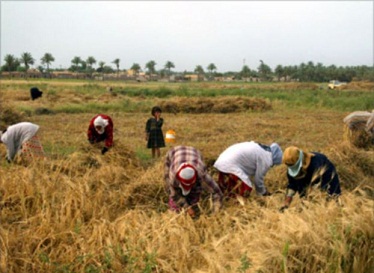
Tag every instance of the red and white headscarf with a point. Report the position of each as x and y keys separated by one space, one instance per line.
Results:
x=186 y=175
x=99 y=121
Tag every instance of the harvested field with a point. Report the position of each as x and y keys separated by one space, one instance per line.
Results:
x=79 y=211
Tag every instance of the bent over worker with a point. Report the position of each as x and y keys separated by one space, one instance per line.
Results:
x=241 y=161
x=186 y=176
x=22 y=138
x=308 y=169
x=101 y=129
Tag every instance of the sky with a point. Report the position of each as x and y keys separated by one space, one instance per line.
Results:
x=229 y=34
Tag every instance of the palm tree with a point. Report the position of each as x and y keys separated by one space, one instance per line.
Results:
x=116 y=62
x=279 y=71
x=264 y=71
x=246 y=72
x=151 y=67
x=101 y=66
x=27 y=59
x=169 y=65
x=211 y=67
x=90 y=61
x=309 y=71
x=136 y=68
x=11 y=62
x=47 y=59
x=76 y=61
x=200 y=71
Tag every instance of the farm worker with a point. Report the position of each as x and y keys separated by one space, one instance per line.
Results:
x=308 y=169
x=185 y=177
x=241 y=161
x=101 y=129
x=35 y=93
x=153 y=132
x=22 y=138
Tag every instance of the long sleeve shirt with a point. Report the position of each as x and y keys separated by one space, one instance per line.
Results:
x=16 y=135
x=153 y=124
x=107 y=136
x=320 y=170
x=245 y=160
x=185 y=154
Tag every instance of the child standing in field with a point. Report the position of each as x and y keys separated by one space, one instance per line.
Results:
x=153 y=132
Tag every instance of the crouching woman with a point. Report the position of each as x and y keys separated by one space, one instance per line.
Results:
x=306 y=170
x=22 y=139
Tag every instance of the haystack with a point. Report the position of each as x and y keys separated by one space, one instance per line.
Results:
x=359 y=128
x=215 y=105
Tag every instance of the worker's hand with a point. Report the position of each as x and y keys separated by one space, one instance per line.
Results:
x=194 y=212
x=104 y=150
x=282 y=209
x=267 y=193
x=191 y=212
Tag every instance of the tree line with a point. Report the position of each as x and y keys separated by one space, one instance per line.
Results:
x=306 y=72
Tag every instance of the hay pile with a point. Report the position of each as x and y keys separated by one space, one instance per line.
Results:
x=359 y=128
x=359 y=86
x=215 y=105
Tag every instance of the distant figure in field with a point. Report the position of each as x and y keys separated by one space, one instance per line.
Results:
x=306 y=170
x=153 y=132
x=22 y=138
x=185 y=178
x=35 y=93
x=241 y=161
x=101 y=130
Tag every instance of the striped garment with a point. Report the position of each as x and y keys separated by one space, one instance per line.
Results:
x=186 y=154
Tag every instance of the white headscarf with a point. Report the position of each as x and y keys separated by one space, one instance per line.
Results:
x=99 y=121
x=276 y=153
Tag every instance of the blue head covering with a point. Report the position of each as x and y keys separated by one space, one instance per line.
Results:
x=276 y=153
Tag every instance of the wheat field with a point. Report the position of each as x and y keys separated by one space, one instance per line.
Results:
x=79 y=211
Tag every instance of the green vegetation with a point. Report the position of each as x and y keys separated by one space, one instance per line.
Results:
x=306 y=72
x=134 y=98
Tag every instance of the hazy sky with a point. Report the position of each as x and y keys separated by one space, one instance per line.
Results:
x=190 y=33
